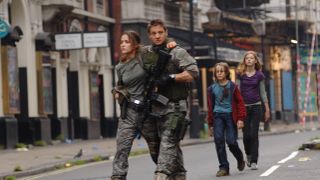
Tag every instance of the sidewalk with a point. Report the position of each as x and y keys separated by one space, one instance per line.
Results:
x=41 y=159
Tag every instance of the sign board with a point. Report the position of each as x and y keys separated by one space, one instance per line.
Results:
x=4 y=29
x=305 y=55
x=229 y=54
x=96 y=39
x=68 y=41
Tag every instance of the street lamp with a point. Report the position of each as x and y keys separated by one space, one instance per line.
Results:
x=259 y=27
x=214 y=14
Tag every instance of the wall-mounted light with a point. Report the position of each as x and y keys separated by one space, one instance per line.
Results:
x=259 y=27
x=293 y=41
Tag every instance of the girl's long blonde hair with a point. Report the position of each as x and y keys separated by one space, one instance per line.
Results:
x=241 y=69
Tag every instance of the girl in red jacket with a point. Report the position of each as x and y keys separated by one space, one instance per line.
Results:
x=226 y=112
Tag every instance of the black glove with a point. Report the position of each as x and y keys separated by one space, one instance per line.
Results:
x=165 y=79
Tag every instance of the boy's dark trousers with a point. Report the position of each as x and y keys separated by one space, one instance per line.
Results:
x=224 y=130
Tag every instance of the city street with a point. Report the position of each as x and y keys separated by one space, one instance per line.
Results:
x=279 y=159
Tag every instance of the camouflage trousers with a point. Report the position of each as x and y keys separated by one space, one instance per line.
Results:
x=170 y=160
x=126 y=133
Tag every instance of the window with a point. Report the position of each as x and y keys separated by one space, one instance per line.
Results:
x=45 y=89
x=10 y=80
x=99 y=7
x=94 y=95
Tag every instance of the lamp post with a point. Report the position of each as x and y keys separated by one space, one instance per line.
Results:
x=259 y=26
x=194 y=102
x=214 y=15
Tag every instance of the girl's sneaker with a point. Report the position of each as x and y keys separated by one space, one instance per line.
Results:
x=254 y=166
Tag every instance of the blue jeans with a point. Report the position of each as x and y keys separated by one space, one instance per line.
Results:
x=251 y=130
x=225 y=130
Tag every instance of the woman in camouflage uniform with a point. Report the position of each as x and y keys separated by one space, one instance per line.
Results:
x=130 y=94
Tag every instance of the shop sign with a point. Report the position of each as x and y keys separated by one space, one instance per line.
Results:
x=229 y=54
x=305 y=55
x=68 y=41
x=4 y=29
x=95 y=39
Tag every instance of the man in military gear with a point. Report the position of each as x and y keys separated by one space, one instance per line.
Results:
x=130 y=95
x=180 y=70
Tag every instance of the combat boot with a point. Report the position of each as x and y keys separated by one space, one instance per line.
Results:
x=118 y=178
x=161 y=176
x=180 y=176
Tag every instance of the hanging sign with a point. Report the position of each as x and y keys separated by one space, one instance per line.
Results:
x=4 y=29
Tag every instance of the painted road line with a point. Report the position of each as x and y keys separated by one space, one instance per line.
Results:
x=273 y=168
x=292 y=155
x=270 y=170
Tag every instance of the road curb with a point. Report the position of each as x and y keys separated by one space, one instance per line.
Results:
x=50 y=167
x=53 y=166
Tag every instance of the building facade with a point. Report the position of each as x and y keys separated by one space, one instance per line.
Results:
x=270 y=28
x=56 y=81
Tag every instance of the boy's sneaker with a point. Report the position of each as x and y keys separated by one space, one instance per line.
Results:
x=222 y=172
x=254 y=166
x=249 y=161
x=241 y=165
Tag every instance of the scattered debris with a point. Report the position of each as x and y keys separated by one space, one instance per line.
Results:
x=304 y=159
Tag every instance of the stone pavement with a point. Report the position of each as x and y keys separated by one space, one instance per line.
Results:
x=37 y=160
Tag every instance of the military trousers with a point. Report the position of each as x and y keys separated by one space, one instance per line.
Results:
x=126 y=133
x=170 y=160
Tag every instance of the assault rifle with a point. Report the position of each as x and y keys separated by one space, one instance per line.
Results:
x=151 y=95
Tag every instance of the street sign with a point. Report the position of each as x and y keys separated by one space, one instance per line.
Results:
x=68 y=41
x=4 y=29
x=95 y=39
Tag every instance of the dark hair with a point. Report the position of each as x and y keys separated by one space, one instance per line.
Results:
x=133 y=36
x=156 y=22
x=134 y=39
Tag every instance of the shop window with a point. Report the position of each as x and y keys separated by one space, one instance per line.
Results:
x=45 y=91
x=99 y=7
x=10 y=80
x=94 y=95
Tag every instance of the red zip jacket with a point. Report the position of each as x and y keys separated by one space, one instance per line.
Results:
x=238 y=108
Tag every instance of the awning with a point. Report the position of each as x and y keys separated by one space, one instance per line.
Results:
x=44 y=41
x=14 y=35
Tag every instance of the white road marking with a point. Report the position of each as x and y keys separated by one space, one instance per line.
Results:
x=270 y=170
x=61 y=171
x=292 y=155
x=273 y=168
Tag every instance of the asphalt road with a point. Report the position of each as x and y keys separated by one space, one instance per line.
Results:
x=279 y=159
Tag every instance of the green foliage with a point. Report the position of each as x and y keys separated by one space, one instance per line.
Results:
x=79 y=162
x=60 y=166
x=20 y=145
x=139 y=152
x=97 y=158
x=10 y=178
x=17 y=168
x=317 y=146
x=1 y=147
x=60 y=137
x=40 y=143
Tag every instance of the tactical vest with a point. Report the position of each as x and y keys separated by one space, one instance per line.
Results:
x=174 y=91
